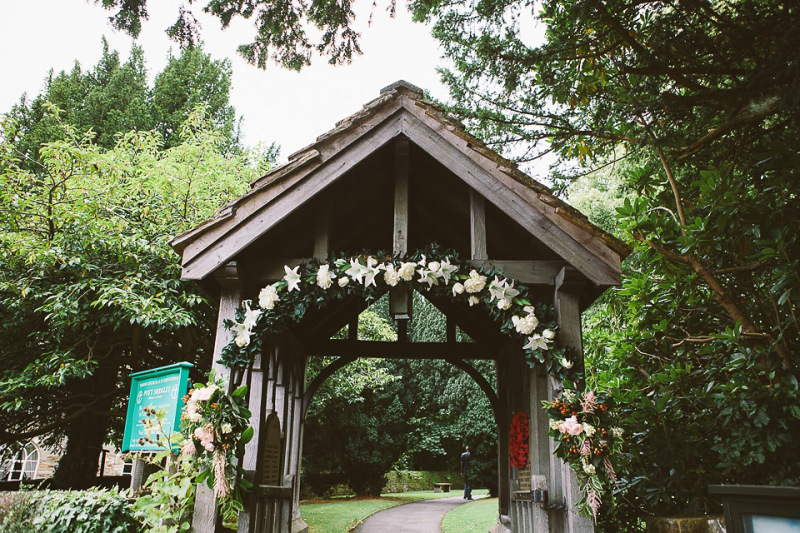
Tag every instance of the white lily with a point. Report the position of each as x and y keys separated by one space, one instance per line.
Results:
x=251 y=316
x=372 y=270
x=536 y=342
x=292 y=278
x=474 y=300
x=357 y=271
x=447 y=269
x=502 y=290
x=242 y=335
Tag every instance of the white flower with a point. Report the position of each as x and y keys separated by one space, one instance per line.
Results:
x=549 y=335
x=589 y=469
x=227 y=428
x=268 y=297
x=357 y=271
x=292 y=277
x=590 y=430
x=475 y=283
x=391 y=276
x=250 y=315
x=617 y=431
x=525 y=325
x=434 y=266
x=422 y=261
x=343 y=281
x=535 y=342
x=502 y=290
x=458 y=289
x=431 y=277
x=242 y=335
x=324 y=280
x=407 y=270
x=554 y=424
x=447 y=269
x=569 y=395
x=473 y=300
x=372 y=270
x=566 y=363
x=503 y=304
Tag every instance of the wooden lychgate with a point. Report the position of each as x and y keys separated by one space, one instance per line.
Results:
x=398 y=175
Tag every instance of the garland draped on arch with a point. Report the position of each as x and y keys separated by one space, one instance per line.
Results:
x=314 y=284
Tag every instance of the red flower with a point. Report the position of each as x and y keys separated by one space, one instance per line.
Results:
x=520 y=433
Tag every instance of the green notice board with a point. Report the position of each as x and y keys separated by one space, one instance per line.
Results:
x=159 y=388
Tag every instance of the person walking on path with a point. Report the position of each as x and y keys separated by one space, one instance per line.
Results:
x=465 y=458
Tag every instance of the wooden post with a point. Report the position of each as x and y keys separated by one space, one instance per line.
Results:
x=477 y=219
x=401 y=162
x=205 y=515
x=564 y=484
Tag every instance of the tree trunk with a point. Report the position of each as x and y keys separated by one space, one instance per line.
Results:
x=86 y=435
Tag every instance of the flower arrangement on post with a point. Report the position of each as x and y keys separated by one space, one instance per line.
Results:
x=586 y=438
x=520 y=433
x=314 y=284
x=215 y=426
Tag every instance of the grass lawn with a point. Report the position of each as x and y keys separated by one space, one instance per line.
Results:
x=474 y=517
x=342 y=514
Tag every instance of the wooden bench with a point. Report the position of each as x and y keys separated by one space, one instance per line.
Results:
x=441 y=487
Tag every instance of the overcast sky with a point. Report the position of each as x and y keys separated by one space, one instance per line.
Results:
x=280 y=106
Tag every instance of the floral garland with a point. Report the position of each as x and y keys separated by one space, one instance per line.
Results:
x=215 y=426
x=520 y=432
x=582 y=426
x=314 y=284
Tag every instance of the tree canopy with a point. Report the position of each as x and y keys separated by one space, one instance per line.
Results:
x=91 y=288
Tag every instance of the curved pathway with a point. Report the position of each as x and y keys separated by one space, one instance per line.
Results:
x=424 y=516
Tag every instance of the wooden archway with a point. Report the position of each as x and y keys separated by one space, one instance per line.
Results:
x=398 y=176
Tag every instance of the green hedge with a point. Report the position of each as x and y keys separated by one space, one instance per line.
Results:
x=89 y=511
x=408 y=480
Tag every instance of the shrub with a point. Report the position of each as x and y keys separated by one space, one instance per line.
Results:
x=90 y=511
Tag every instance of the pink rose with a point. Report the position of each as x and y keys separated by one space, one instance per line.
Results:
x=571 y=426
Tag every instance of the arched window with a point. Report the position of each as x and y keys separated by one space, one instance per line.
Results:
x=25 y=464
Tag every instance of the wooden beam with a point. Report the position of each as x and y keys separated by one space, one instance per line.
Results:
x=485 y=386
x=246 y=231
x=320 y=378
x=402 y=350
x=527 y=272
x=477 y=222
x=517 y=200
x=401 y=166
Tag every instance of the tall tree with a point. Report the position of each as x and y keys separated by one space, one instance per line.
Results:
x=698 y=98
x=191 y=79
x=91 y=288
x=114 y=98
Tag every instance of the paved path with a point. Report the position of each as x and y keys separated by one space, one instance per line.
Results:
x=424 y=516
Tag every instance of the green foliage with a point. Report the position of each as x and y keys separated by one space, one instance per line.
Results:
x=91 y=511
x=697 y=136
x=283 y=30
x=420 y=480
x=113 y=99
x=90 y=286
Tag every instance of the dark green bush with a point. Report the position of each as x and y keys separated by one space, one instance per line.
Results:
x=90 y=511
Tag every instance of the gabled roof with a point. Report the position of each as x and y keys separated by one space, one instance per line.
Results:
x=401 y=110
